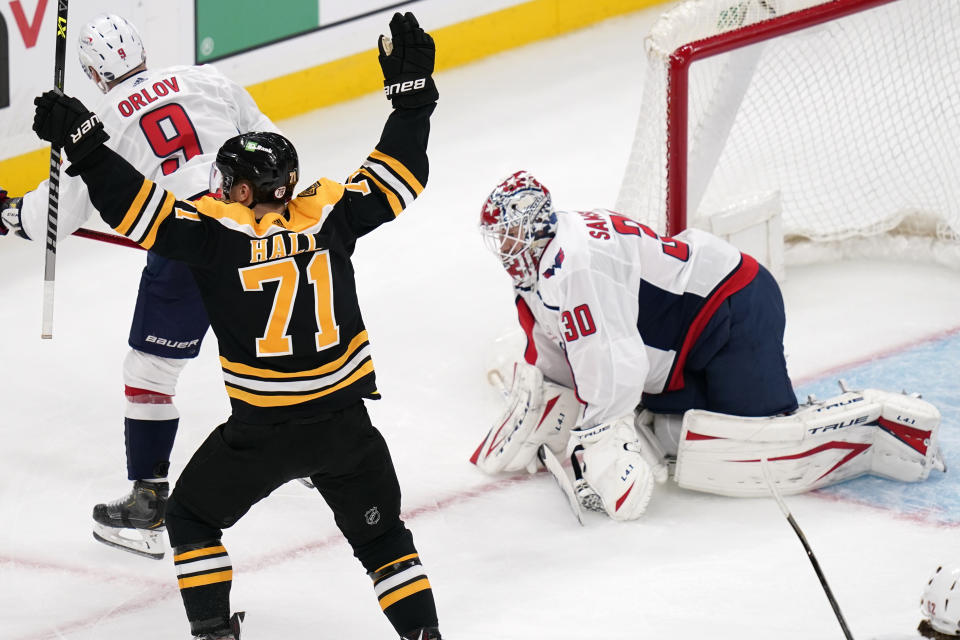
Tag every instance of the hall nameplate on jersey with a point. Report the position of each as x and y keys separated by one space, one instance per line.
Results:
x=281 y=245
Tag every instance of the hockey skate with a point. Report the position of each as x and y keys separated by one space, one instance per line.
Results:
x=233 y=633
x=134 y=523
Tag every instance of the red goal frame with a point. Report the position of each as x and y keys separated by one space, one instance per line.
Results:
x=678 y=78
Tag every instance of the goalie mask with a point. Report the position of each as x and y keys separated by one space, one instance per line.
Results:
x=517 y=222
x=267 y=160
x=112 y=47
x=940 y=603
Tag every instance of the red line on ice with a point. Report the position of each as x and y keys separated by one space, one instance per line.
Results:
x=157 y=591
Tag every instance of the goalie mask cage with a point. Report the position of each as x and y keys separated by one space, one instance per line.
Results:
x=849 y=110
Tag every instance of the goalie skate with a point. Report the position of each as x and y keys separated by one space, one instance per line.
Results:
x=135 y=522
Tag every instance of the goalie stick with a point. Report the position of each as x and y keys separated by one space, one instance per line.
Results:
x=764 y=465
x=552 y=464
x=50 y=261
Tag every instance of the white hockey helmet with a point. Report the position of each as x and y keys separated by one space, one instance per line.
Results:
x=112 y=47
x=517 y=222
x=940 y=603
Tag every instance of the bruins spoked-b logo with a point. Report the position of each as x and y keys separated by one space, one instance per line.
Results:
x=372 y=516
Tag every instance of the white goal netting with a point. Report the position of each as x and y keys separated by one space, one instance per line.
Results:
x=855 y=121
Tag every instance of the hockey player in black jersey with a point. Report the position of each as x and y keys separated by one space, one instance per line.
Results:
x=276 y=279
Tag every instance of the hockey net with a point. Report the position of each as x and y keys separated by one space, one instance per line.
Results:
x=849 y=110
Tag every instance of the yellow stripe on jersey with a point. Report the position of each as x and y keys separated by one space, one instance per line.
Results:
x=412 y=588
x=259 y=400
x=391 y=196
x=305 y=212
x=238 y=213
x=197 y=553
x=246 y=370
x=165 y=210
x=397 y=561
x=400 y=169
x=205 y=579
x=134 y=211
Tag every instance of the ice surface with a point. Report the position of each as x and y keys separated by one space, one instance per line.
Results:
x=505 y=556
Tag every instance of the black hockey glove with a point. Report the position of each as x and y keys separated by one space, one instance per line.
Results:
x=66 y=123
x=407 y=62
x=10 y=215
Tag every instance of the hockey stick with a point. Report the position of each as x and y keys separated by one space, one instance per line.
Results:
x=552 y=464
x=803 y=540
x=110 y=238
x=50 y=264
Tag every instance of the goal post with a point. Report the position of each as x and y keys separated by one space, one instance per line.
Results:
x=847 y=110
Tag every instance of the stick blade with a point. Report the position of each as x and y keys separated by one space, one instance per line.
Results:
x=553 y=465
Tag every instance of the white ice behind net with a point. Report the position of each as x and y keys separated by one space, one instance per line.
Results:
x=855 y=122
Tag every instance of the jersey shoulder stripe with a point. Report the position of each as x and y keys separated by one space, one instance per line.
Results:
x=392 y=178
x=398 y=168
x=143 y=217
x=164 y=209
x=396 y=205
x=137 y=207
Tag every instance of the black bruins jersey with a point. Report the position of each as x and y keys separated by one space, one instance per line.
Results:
x=279 y=291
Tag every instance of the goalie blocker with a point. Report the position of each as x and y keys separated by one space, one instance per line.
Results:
x=890 y=435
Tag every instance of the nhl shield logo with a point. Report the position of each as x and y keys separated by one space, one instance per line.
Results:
x=372 y=516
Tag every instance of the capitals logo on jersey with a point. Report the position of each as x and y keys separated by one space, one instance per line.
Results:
x=557 y=263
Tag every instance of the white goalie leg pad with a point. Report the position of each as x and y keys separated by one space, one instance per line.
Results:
x=615 y=467
x=537 y=412
x=887 y=434
x=906 y=447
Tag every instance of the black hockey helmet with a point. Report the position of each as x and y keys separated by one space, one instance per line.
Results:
x=267 y=160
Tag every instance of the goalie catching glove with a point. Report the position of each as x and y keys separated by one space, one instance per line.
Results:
x=406 y=59
x=537 y=412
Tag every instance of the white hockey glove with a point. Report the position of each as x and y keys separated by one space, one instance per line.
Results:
x=537 y=412
x=10 y=215
x=615 y=467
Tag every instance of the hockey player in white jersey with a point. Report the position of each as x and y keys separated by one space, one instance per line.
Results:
x=641 y=347
x=169 y=123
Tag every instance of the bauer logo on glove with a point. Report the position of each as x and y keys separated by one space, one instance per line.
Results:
x=405 y=87
x=84 y=127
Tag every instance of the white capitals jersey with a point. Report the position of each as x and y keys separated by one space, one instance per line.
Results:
x=167 y=123
x=616 y=308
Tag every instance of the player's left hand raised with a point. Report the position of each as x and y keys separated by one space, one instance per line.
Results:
x=407 y=59
x=65 y=122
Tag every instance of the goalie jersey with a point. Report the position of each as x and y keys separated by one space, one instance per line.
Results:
x=167 y=123
x=279 y=291
x=617 y=311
